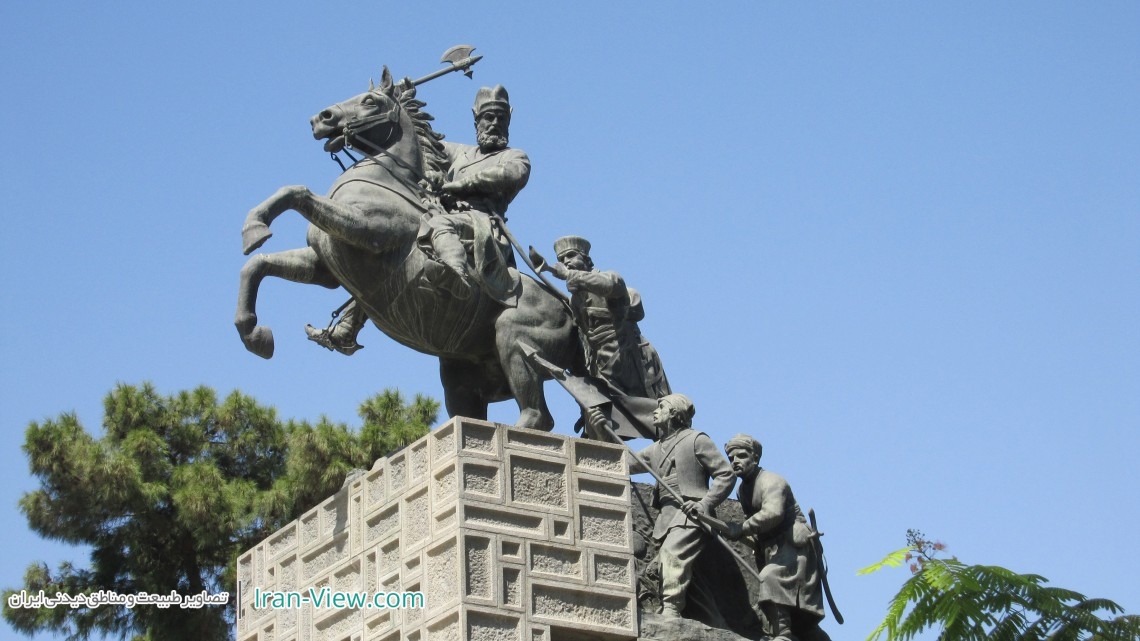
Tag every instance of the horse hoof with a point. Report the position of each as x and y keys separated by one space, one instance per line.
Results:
x=535 y=420
x=259 y=341
x=253 y=236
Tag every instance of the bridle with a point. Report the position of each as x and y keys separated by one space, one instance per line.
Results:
x=358 y=125
x=353 y=139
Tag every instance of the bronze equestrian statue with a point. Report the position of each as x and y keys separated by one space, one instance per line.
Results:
x=363 y=236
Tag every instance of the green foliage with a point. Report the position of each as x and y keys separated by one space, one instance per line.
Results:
x=976 y=602
x=174 y=490
x=893 y=560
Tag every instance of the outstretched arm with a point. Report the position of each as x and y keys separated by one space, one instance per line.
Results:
x=607 y=284
x=558 y=270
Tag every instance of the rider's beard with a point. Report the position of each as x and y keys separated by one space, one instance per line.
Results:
x=491 y=142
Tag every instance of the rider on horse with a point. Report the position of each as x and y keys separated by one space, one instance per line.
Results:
x=481 y=181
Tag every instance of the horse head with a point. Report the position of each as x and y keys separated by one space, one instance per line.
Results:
x=385 y=120
x=370 y=121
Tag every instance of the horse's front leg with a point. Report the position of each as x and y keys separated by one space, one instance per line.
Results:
x=297 y=265
x=255 y=231
x=341 y=220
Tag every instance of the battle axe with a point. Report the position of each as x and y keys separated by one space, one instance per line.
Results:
x=460 y=59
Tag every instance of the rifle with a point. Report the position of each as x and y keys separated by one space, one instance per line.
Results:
x=558 y=374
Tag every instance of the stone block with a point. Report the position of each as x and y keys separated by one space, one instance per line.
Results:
x=382 y=524
x=534 y=441
x=604 y=525
x=441 y=575
x=497 y=518
x=566 y=563
x=510 y=534
x=376 y=485
x=418 y=461
x=480 y=567
x=416 y=519
x=594 y=609
x=443 y=443
x=479 y=438
x=485 y=625
x=538 y=482
x=602 y=458
x=483 y=480
x=511 y=594
x=611 y=569
x=285 y=540
x=602 y=489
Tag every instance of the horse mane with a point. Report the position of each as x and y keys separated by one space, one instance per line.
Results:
x=434 y=163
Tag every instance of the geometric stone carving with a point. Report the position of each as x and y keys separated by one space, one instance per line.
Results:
x=510 y=534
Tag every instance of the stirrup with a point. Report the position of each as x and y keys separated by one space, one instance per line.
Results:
x=326 y=339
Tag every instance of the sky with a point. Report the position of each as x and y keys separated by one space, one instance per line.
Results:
x=899 y=243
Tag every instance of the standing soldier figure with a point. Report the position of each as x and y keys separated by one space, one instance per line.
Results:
x=691 y=465
x=790 y=596
x=607 y=313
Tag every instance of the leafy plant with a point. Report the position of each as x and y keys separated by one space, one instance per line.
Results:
x=968 y=602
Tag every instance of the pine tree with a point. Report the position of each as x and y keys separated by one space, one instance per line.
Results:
x=978 y=602
x=171 y=493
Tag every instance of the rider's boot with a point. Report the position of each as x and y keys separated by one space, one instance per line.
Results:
x=342 y=336
x=449 y=270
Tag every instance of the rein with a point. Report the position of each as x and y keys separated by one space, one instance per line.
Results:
x=414 y=186
x=357 y=126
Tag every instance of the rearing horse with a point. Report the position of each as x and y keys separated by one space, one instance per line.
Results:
x=363 y=236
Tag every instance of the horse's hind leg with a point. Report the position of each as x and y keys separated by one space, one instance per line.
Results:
x=297 y=265
x=542 y=323
x=463 y=387
x=525 y=384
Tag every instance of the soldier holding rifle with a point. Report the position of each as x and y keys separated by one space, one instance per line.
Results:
x=699 y=477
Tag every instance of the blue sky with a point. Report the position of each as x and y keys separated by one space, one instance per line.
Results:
x=897 y=242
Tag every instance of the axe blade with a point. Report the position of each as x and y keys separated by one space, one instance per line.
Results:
x=456 y=53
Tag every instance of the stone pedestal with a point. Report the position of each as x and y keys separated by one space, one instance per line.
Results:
x=510 y=534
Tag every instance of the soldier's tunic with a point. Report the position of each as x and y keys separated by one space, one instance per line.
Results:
x=687 y=462
x=488 y=182
x=607 y=312
x=789 y=573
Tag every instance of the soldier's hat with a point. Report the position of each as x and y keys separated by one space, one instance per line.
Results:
x=744 y=441
x=568 y=243
x=491 y=98
x=680 y=404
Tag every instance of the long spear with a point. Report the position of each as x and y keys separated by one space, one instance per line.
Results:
x=558 y=374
